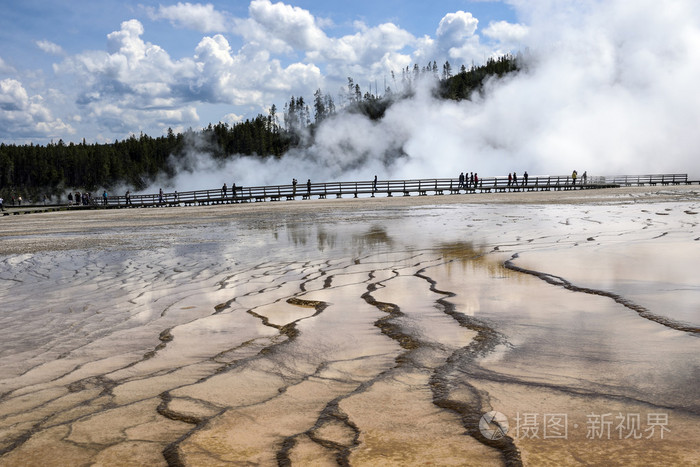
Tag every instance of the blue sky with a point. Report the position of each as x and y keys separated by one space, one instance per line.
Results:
x=102 y=70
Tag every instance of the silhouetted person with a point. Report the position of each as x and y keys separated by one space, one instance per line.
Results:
x=308 y=187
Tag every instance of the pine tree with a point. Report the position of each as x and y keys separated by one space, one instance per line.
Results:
x=446 y=70
x=320 y=111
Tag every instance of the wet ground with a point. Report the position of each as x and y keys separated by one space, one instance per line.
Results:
x=350 y=333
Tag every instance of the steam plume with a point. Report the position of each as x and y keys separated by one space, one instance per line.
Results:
x=609 y=87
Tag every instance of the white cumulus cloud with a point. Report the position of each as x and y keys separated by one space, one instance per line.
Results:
x=50 y=47
x=288 y=26
x=13 y=96
x=506 y=32
x=455 y=28
x=26 y=116
x=202 y=18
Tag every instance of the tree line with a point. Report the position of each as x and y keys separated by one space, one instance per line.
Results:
x=34 y=171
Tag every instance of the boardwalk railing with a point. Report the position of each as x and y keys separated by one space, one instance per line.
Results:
x=638 y=180
x=420 y=187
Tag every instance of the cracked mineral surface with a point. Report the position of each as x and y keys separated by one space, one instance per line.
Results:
x=355 y=332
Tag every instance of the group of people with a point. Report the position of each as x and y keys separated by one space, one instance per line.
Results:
x=468 y=180
x=465 y=181
x=294 y=186
x=78 y=199
x=574 y=176
x=224 y=190
x=513 y=179
x=308 y=186
x=14 y=201
x=234 y=189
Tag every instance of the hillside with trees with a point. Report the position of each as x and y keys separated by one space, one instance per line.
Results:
x=33 y=171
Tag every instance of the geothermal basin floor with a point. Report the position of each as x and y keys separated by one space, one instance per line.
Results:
x=385 y=330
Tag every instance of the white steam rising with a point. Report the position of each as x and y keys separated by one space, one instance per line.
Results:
x=610 y=87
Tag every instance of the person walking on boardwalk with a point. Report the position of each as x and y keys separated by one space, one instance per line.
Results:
x=515 y=178
x=160 y=196
x=104 y=198
x=1 y=206
x=127 y=195
x=294 y=187
x=461 y=180
x=374 y=184
x=510 y=178
x=574 y=174
x=525 y=176
x=233 y=190
x=223 y=190
x=308 y=187
x=584 y=177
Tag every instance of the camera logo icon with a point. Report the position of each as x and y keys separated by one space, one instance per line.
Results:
x=493 y=425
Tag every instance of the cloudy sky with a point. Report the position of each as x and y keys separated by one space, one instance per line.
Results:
x=610 y=85
x=102 y=70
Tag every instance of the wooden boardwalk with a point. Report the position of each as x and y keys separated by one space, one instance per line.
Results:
x=389 y=188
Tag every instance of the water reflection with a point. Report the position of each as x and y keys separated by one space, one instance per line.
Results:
x=374 y=238
x=350 y=336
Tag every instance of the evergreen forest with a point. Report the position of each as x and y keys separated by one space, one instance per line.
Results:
x=35 y=171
